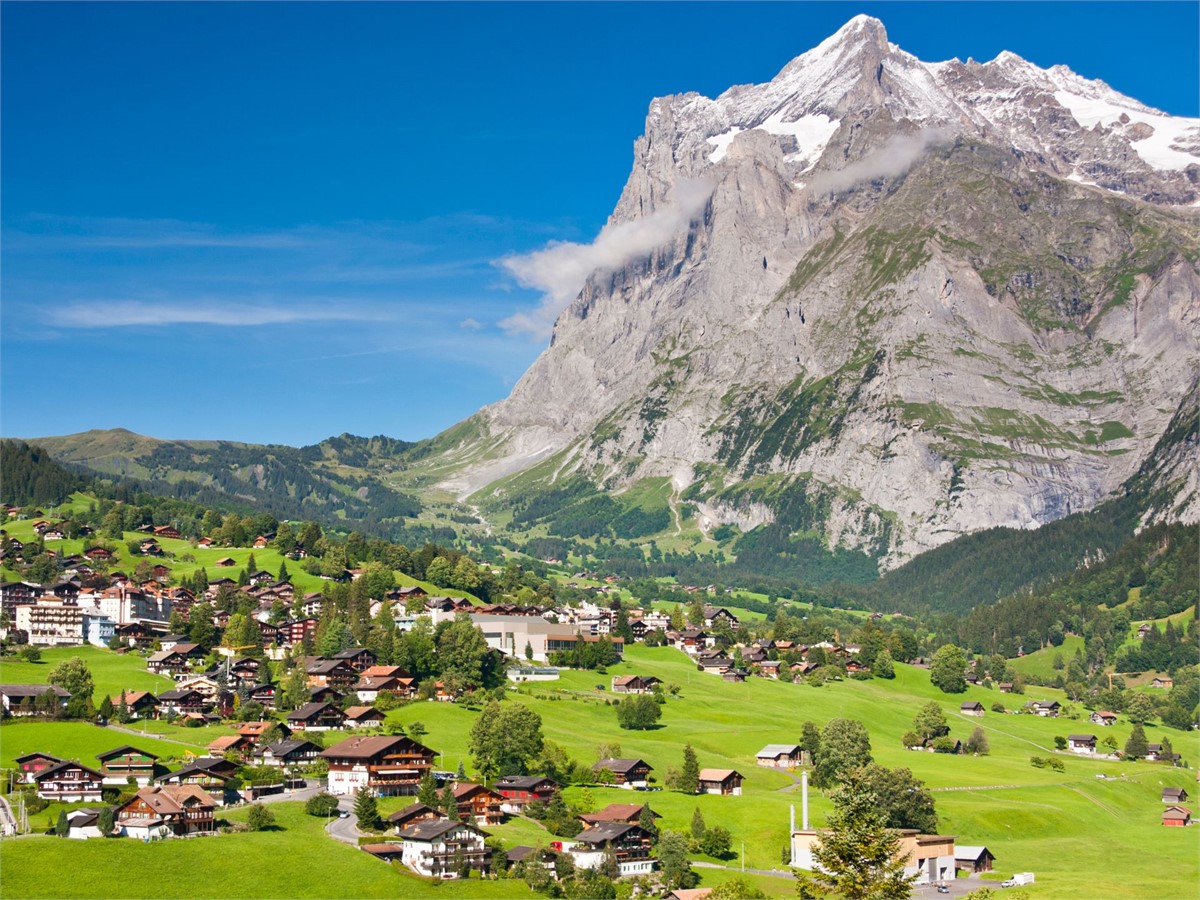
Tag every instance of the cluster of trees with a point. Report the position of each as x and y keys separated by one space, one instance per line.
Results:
x=32 y=478
x=640 y=712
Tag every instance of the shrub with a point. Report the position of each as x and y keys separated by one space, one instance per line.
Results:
x=260 y=818
x=323 y=804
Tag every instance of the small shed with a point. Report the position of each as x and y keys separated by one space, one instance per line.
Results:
x=973 y=859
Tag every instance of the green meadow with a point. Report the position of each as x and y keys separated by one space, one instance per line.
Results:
x=1082 y=835
x=111 y=672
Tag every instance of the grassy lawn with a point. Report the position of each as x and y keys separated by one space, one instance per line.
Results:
x=81 y=741
x=111 y=672
x=1041 y=662
x=296 y=859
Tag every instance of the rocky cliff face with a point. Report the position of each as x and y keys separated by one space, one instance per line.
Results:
x=916 y=299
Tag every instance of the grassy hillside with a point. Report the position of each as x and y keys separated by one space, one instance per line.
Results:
x=1070 y=827
x=111 y=672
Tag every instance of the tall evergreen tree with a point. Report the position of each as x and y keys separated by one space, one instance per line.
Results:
x=689 y=773
x=1137 y=746
x=366 y=810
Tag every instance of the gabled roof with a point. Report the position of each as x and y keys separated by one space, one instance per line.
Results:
x=524 y=782
x=363 y=712
x=174 y=799
x=1082 y=738
x=718 y=774
x=59 y=767
x=312 y=710
x=972 y=853
x=618 y=812
x=432 y=829
x=608 y=831
x=773 y=750
x=368 y=746
x=286 y=748
x=122 y=750
x=413 y=810
x=21 y=759
x=32 y=690
x=620 y=765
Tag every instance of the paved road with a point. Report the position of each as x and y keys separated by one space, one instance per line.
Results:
x=344 y=830
x=8 y=824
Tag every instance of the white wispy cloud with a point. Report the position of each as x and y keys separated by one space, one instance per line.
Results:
x=134 y=313
x=560 y=269
x=470 y=324
x=894 y=158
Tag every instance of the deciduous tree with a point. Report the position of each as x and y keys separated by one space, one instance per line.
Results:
x=845 y=745
x=505 y=739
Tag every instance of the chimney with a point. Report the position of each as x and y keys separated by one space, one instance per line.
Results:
x=804 y=799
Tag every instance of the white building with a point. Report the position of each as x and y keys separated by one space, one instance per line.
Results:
x=51 y=622
x=439 y=848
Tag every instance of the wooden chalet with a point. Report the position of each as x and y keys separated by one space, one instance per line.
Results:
x=335 y=673
x=316 y=716
x=1045 y=708
x=32 y=764
x=253 y=731
x=973 y=859
x=727 y=782
x=359 y=658
x=369 y=687
x=627 y=773
x=175 y=661
x=292 y=752
x=363 y=717
x=1174 y=795
x=166 y=531
x=139 y=704
x=21 y=699
x=518 y=791
x=265 y=694
x=620 y=813
x=69 y=782
x=779 y=756
x=479 y=803
x=167 y=810
x=634 y=684
x=210 y=774
x=971 y=708
x=326 y=695
x=1081 y=743
x=413 y=813
x=230 y=743
x=181 y=701
x=1103 y=717
x=629 y=843
x=125 y=762
x=389 y=765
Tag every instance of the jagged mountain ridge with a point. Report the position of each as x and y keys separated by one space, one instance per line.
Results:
x=931 y=298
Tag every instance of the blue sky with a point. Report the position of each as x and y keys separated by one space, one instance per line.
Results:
x=277 y=222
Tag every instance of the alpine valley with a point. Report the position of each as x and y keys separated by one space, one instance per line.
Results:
x=868 y=308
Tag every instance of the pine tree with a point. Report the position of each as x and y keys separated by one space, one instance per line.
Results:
x=1136 y=747
x=427 y=791
x=689 y=775
x=366 y=810
x=449 y=804
x=698 y=826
